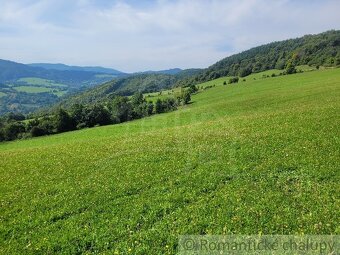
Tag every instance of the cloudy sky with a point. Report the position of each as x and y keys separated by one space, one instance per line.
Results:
x=138 y=35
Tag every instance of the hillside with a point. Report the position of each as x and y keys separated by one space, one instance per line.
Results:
x=259 y=157
x=145 y=83
x=314 y=50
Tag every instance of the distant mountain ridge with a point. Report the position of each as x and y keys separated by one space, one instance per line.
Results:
x=63 y=67
x=10 y=70
x=172 y=71
x=99 y=69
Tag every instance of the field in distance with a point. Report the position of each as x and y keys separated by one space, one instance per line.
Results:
x=261 y=156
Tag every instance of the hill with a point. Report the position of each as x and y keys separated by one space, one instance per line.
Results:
x=11 y=71
x=260 y=157
x=314 y=50
x=144 y=83
x=27 y=88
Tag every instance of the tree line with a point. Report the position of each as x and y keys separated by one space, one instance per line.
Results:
x=117 y=110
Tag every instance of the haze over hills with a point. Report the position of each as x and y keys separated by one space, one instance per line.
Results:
x=99 y=69
x=63 y=67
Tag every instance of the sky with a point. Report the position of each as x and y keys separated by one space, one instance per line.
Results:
x=140 y=35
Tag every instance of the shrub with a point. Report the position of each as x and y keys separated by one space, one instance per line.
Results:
x=186 y=97
x=37 y=131
x=290 y=68
x=233 y=80
x=12 y=130
x=63 y=121
x=245 y=72
x=193 y=89
x=159 y=106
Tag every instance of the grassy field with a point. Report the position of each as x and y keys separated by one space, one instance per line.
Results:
x=32 y=89
x=261 y=156
x=2 y=94
x=42 y=82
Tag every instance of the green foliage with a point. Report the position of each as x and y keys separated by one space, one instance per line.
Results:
x=290 y=68
x=186 y=96
x=97 y=115
x=14 y=116
x=2 y=135
x=245 y=71
x=13 y=130
x=159 y=106
x=25 y=102
x=192 y=89
x=63 y=121
x=37 y=131
x=233 y=80
x=122 y=109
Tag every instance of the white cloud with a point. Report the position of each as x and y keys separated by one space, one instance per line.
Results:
x=135 y=35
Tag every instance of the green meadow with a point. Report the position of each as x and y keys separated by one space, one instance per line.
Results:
x=31 y=89
x=2 y=94
x=257 y=157
x=40 y=81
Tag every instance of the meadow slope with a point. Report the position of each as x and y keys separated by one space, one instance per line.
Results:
x=258 y=157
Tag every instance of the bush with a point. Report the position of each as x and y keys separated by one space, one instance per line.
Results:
x=63 y=121
x=13 y=130
x=245 y=72
x=2 y=136
x=233 y=80
x=169 y=104
x=121 y=109
x=159 y=106
x=192 y=89
x=37 y=131
x=186 y=97
x=290 y=68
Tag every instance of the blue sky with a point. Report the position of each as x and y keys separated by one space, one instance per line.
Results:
x=134 y=35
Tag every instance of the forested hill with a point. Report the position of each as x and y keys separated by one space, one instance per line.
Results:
x=315 y=50
x=145 y=83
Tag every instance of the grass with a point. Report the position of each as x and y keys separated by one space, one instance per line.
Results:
x=261 y=156
x=32 y=89
x=164 y=94
x=2 y=94
x=40 y=81
x=60 y=93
